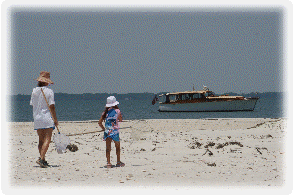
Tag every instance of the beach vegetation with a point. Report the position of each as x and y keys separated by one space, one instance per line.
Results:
x=194 y=145
x=210 y=144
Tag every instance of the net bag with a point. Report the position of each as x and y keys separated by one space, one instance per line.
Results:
x=61 y=142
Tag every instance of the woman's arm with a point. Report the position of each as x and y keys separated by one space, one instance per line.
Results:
x=53 y=112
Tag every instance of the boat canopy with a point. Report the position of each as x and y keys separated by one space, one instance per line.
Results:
x=189 y=92
x=208 y=92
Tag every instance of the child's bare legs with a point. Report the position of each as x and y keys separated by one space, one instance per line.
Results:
x=117 y=145
x=108 y=150
x=119 y=163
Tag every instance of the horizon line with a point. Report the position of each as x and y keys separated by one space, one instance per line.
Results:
x=256 y=92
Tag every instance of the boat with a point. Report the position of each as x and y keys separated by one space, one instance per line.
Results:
x=204 y=101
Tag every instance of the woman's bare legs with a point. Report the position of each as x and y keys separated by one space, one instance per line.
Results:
x=44 y=141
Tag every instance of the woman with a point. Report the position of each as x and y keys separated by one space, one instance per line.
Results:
x=43 y=122
x=112 y=116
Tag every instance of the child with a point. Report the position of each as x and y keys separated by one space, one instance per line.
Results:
x=112 y=116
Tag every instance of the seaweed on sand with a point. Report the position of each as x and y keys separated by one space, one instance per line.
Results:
x=195 y=145
x=228 y=143
x=72 y=147
x=211 y=164
x=222 y=145
x=209 y=144
x=210 y=153
x=258 y=149
x=236 y=143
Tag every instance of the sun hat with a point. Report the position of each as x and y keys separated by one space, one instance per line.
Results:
x=45 y=77
x=111 y=101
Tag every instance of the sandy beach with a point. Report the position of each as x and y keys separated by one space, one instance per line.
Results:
x=157 y=153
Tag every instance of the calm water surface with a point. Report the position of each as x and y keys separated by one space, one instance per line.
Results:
x=135 y=106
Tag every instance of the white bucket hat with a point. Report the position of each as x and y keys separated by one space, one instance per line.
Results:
x=111 y=101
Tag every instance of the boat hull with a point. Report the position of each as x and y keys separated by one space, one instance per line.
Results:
x=213 y=106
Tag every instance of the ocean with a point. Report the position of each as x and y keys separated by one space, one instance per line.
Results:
x=82 y=107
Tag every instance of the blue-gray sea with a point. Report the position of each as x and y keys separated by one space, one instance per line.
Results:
x=82 y=107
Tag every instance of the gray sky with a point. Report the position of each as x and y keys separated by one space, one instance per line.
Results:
x=118 y=50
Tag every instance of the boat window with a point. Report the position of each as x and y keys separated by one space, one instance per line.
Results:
x=209 y=94
x=167 y=99
x=173 y=97
x=190 y=96
x=185 y=97
x=197 y=96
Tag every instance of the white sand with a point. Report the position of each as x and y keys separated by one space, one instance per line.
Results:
x=157 y=153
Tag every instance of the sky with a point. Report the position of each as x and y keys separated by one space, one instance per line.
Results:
x=147 y=49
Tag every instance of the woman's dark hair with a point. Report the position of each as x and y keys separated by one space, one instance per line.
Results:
x=40 y=84
x=106 y=111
